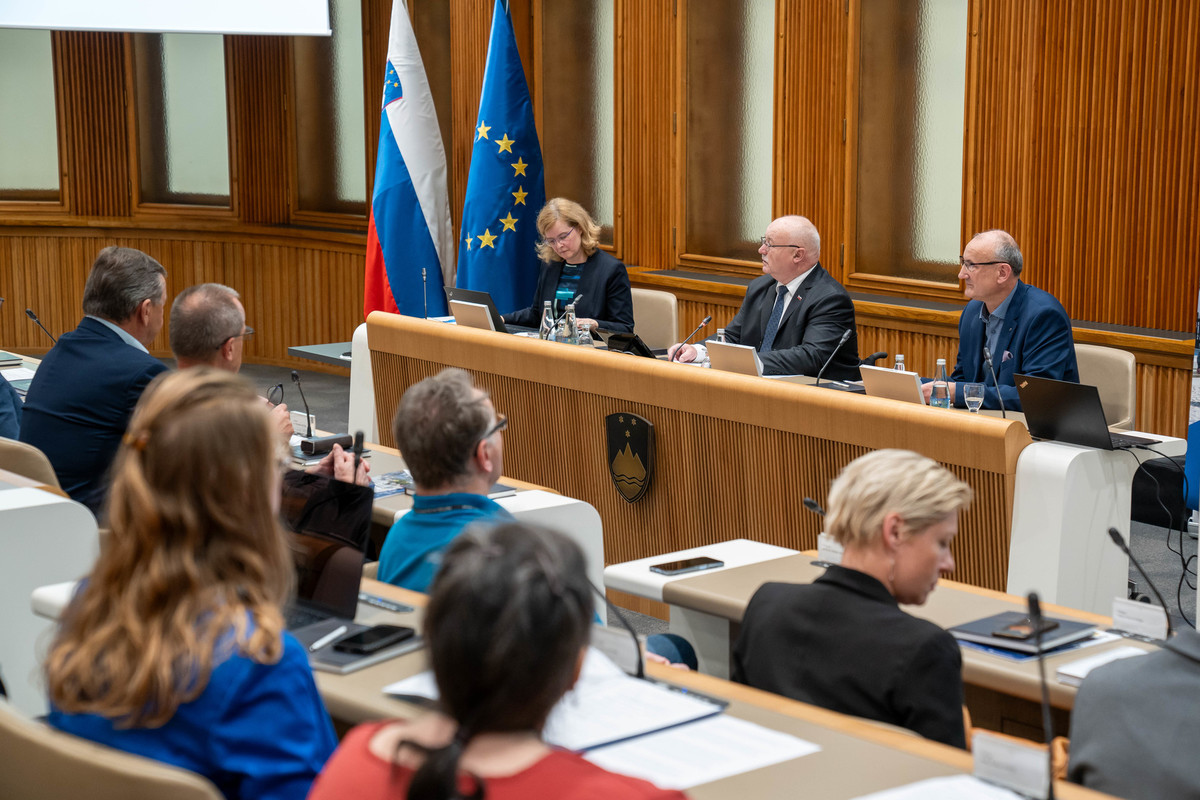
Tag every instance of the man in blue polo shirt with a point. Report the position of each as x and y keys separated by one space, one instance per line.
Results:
x=449 y=435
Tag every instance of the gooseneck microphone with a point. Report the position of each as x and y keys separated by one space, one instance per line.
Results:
x=703 y=324
x=637 y=645
x=812 y=506
x=832 y=355
x=987 y=359
x=425 y=292
x=574 y=302
x=307 y=416
x=29 y=313
x=1119 y=541
x=1035 y=619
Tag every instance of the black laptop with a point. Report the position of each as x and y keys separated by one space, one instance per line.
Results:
x=330 y=524
x=1061 y=411
x=481 y=298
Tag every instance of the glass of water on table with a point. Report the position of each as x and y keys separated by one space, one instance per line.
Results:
x=973 y=395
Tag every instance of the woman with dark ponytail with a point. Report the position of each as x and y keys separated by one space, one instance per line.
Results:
x=507 y=627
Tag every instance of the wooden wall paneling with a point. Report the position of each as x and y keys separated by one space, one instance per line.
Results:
x=810 y=107
x=96 y=157
x=258 y=67
x=645 y=104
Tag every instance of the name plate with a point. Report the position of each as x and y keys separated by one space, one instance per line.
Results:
x=1143 y=619
x=1023 y=768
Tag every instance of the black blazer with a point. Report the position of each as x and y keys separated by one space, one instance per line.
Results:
x=810 y=329
x=843 y=643
x=79 y=405
x=604 y=285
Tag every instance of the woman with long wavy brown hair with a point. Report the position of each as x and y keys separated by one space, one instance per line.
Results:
x=175 y=646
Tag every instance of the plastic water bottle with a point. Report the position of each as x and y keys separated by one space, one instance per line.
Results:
x=900 y=363
x=566 y=327
x=546 y=329
x=940 y=396
x=585 y=336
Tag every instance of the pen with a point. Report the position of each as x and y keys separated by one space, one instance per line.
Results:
x=333 y=635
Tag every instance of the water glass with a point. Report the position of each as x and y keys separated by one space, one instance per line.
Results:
x=973 y=394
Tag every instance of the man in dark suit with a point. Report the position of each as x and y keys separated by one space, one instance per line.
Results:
x=796 y=313
x=1026 y=330
x=82 y=395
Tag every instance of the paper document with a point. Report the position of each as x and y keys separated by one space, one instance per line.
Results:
x=701 y=752
x=955 y=787
x=17 y=374
x=605 y=706
x=1073 y=672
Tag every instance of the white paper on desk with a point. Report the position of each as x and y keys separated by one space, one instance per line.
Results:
x=954 y=787
x=606 y=705
x=17 y=374
x=701 y=752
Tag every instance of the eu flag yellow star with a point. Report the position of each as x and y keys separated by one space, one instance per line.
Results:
x=519 y=195
x=510 y=224
x=482 y=130
x=468 y=240
x=519 y=167
x=505 y=144
x=486 y=239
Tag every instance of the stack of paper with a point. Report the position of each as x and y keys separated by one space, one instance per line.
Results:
x=1073 y=672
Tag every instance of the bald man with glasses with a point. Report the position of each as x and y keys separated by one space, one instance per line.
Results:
x=1026 y=330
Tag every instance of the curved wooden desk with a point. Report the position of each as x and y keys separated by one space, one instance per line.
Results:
x=735 y=454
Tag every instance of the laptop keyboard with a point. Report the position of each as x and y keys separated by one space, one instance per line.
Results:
x=1124 y=442
x=298 y=617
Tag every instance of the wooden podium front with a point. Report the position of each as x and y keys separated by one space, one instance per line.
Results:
x=734 y=455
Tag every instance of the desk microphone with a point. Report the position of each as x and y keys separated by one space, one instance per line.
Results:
x=1119 y=541
x=425 y=292
x=307 y=416
x=987 y=358
x=29 y=313
x=637 y=645
x=1035 y=619
x=812 y=506
x=703 y=324
x=829 y=360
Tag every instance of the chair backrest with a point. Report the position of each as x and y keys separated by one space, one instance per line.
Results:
x=25 y=459
x=41 y=763
x=656 y=318
x=1114 y=373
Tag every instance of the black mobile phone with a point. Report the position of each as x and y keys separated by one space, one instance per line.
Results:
x=686 y=565
x=1023 y=629
x=372 y=640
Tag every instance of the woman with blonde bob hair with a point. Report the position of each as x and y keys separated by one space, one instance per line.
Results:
x=573 y=265
x=174 y=648
x=842 y=642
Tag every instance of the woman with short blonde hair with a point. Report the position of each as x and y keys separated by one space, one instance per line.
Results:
x=174 y=647
x=575 y=269
x=842 y=642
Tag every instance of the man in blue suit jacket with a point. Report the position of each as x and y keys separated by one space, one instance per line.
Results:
x=83 y=394
x=1026 y=329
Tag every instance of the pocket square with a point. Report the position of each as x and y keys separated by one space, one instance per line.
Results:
x=1007 y=355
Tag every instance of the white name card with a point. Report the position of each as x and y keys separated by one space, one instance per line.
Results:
x=1024 y=768
x=1143 y=619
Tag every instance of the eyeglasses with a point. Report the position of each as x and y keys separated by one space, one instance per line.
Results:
x=763 y=241
x=501 y=424
x=971 y=266
x=275 y=395
x=246 y=334
x=560 y=239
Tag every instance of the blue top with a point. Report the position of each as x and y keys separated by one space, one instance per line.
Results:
x=10 y=410
x=413 y=549
x=568 y=287
x=256 y=731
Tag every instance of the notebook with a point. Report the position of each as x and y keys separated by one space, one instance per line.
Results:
x=1061 y=411
x=455 y=294
x=892 y=384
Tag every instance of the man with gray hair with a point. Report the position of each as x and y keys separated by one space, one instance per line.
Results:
x=449 y=435
x=208 y=328
x=796 y=314
x=84 y=391
x=1025 y=329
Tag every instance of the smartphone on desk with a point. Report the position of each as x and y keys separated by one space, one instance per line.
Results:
x=1023 y=629
x=372 y=640
x=686 y=565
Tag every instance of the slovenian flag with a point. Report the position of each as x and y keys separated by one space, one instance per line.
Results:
x=409 y=225
x=505 y=190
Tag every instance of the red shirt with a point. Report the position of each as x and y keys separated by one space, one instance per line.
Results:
x=354 y=771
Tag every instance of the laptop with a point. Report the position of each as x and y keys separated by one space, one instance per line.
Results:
x=1061 y=411
x=892 y=384
x=455 y=294
x=741 y=358
x=472 y=315
x=330 y=524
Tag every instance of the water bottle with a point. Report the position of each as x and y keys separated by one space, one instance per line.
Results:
x=721 y=335
x=900 y=362
x=585 y=336
x=546 y=329
x=566 y=327
x=940 y=396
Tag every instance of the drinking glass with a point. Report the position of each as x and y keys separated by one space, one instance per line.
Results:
x=973 y=394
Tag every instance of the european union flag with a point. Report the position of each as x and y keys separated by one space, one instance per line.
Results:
x=505 y=189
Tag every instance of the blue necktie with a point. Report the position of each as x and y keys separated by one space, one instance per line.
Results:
x=773 y=322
